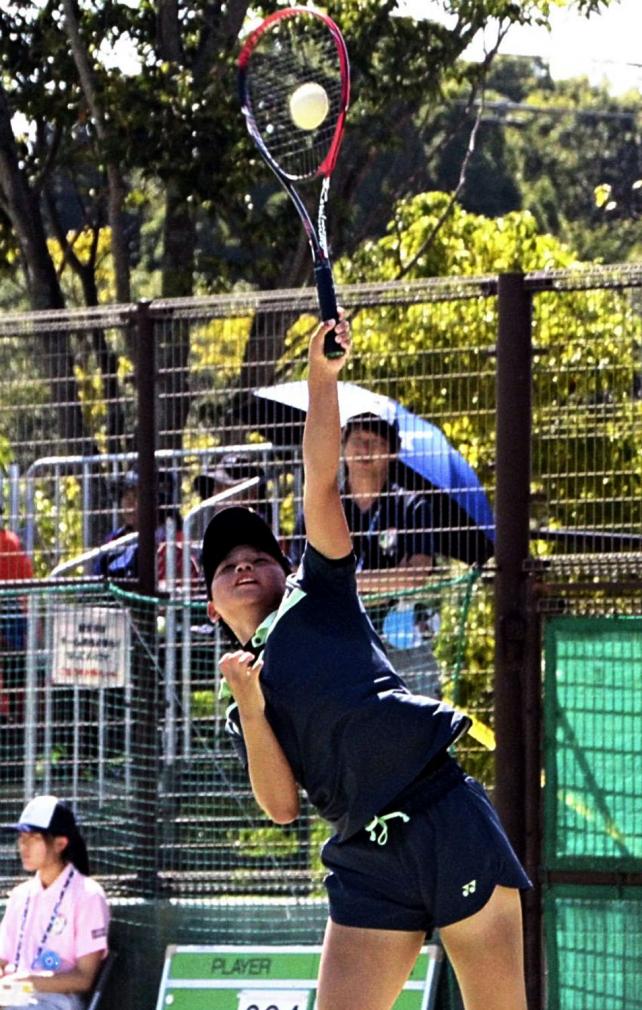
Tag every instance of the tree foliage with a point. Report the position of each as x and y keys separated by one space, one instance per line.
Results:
x=200 y=212
x=581 y=139
x=586 y=453
x=588 y=346
x=165 y=125
x=567 y=151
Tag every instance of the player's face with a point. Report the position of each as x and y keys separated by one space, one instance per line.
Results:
x=367 y=453
x=129 y=507
x=39 y=852
x=246 y=577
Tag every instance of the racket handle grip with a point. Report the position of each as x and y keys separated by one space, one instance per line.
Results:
x=328 y=307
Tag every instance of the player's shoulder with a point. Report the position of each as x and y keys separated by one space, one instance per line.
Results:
x=314 y=562
x=88 y=886
x=21 y=890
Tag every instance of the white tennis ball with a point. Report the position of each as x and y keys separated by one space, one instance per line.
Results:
x=309 y=105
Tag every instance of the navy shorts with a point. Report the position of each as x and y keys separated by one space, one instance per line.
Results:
x=437 y=867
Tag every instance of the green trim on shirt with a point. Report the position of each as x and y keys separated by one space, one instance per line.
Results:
x=265 y=628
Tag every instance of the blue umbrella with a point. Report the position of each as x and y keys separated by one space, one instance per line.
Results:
x=425 y=451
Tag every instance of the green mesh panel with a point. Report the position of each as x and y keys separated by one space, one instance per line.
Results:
x=593 y=714
x=594 y=948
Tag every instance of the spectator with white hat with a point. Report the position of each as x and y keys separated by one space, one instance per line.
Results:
x=53 y=935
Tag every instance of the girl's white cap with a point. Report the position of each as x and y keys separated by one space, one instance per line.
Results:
x=46 y=813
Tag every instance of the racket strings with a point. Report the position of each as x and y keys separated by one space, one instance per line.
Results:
x=296 y=51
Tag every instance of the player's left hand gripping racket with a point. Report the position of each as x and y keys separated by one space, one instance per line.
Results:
x=294 y=80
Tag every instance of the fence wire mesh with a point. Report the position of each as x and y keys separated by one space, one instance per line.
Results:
x=167 y=811
x=79 y=721
x=98 y=706
x=587 y=417
x=594 y=946
x=592 y=609
x=593 y=711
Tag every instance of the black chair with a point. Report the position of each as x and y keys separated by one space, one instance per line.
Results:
x=102 y=978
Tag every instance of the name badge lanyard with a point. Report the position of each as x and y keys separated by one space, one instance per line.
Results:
x=45 y=936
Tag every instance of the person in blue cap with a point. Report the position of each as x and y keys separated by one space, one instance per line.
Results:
x=315 y=704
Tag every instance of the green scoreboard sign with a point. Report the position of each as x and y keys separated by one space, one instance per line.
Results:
x=268 y=978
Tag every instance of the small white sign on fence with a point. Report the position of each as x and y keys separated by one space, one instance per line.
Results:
x=91 y=647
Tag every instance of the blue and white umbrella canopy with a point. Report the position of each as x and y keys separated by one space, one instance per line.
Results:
x=467 y=523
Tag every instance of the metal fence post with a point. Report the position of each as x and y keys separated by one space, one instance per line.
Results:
x=31 y=696
x=533 y=814
x=145 y=665
x=513 y=767
x=146 y=385
x=512 y=519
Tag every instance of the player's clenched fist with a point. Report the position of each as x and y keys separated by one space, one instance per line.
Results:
x=241 y=671
x=342 y=337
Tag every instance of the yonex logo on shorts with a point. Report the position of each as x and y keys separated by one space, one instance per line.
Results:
x=469 y=888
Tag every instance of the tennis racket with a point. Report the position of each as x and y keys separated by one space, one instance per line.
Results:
x=294 y=83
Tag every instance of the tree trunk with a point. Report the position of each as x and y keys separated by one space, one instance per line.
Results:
x=23 y=210
x=173 y=340
x=219 y=35
x=106 y=358
x=115 y=184
x=179 y=245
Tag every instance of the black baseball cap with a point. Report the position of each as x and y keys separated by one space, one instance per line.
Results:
x=389 y=430
x=233 y=526
x=46 y=813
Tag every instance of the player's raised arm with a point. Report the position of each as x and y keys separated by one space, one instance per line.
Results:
x=325 y=522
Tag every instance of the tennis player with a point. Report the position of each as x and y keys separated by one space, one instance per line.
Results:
x=316 y=704
x=54 y=929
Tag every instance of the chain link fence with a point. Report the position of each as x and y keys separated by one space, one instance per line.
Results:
x=110 y=690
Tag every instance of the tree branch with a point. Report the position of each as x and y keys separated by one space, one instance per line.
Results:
x=116 y=186
x=470 y=148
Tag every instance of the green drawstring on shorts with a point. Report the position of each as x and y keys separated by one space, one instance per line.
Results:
x=380 y=823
